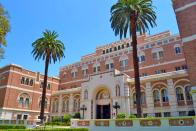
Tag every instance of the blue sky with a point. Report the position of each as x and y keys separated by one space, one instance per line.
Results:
x=82 y=26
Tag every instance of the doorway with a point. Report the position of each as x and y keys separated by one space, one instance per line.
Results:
x=103 y=112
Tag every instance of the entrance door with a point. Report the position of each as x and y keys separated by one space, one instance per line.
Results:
x=103 y=112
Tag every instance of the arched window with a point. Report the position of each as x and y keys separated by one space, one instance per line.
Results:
x=187 y=93
x=24 y=100
x=66 y=105
x=22 y=80
x=56 y=105
x=53 y=106
x=31 y=82
x=21 y=101
x=179 y=94
x=45 y=105
x=27 y=81
x=117 y=90
x=103 y=94
x=85 y=94
x=76 y=105
x=27 y=102
x=164 y=95
x=156 y=96
x=143 y=98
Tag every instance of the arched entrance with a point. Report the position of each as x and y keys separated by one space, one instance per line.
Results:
x=103 y=106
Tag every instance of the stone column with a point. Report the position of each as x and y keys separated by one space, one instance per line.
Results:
x=149 y=99
x=193 y=92
x=131 y=101
x=71 y=103
x=172 y=97
x=127 y=99
x=60 y=105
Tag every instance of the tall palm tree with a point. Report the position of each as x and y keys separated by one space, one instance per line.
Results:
x=49 y=49
x=137 y=16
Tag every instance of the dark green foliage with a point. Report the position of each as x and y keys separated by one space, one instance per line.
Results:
x=123 y=10
x=48 y=46
x=56 y=119
x=132 y=116
x=67 y=119
x=121 y=116
x=77 y=115
x=78 y=129
x=12 y=127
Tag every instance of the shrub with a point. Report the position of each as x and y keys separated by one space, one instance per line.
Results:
x=121 y=116
x=67 y=119
x=12 y=127
x=132 y=116
x=150 y=117
x=77 y=115
x=56 y=119
x=77 y=129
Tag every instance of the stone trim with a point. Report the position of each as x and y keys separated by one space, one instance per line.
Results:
x=185 y=7
x=21 y=110
x=189 y=38
x=22 y=89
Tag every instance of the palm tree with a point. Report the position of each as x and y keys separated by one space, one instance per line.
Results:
x=4 y=29
x=49 y=49
x=135 y=15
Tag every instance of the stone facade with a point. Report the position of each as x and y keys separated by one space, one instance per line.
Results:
x=105 y=78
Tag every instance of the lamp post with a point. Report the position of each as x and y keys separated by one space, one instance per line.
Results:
x=83 y=108
x=116 y=106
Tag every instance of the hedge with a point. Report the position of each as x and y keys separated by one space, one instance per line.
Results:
x=12 y=127
x=76 y=129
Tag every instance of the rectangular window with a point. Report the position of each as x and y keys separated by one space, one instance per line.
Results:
x=25 y=117
x=121 y=63
x=19 y=116
x=157 y=114
x=155 y=56
x=178 y=50
x=110 y=49
x=98 y=68
x=184 y=67
x=107 y=66
x=160 y=54
x=178 y=68
x=167 y=114
x=142 y=58
x=103 y=51
x=94 y=69
x=126 y=62
x=111 y=65
x=182 y=113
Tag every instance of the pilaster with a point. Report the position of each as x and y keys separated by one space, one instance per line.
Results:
x=172 y=97
x=149 y=99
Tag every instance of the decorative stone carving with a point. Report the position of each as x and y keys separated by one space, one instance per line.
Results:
x=181 y=122
x=153 y=122
x=124 y=123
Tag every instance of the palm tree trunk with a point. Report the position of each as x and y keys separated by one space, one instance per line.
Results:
x=44 y=90
x=135 y=63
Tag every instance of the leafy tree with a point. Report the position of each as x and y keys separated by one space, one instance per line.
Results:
x=66 y=118
x=49 y=49
x=135 y=16
x=4 y=29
